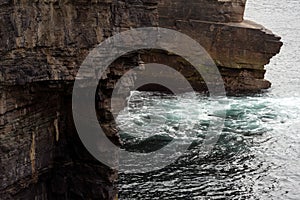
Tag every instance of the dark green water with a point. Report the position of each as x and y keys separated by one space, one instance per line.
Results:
x=258 y=153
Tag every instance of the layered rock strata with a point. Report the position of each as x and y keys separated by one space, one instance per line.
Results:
x=240 y=48
x=42 y=45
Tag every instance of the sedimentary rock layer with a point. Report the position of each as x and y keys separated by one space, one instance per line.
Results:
x=42 y=46
x=43 y=43
x=240 y=48
x=204 y=10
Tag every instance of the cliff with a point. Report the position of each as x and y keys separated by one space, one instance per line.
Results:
x=42 y=45
x=239 y=47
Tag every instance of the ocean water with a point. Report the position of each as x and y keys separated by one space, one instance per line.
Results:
x=258 y=152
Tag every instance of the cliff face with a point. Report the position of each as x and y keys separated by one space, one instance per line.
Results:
x=43 y=43
x=42 y=46
x=48 y=40
x=240 y=48
x=204 y=10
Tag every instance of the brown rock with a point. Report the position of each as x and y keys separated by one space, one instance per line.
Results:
x=43 y=43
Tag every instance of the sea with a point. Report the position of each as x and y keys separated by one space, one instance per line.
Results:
x=257 y=155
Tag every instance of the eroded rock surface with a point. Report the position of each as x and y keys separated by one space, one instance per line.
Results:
x=239 y=47
x=43 y=43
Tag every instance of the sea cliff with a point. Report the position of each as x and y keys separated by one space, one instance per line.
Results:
x=44 y=42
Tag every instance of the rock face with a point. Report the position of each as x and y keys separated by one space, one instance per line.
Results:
x=240 y=48
x=43 y=43
x=42 y=46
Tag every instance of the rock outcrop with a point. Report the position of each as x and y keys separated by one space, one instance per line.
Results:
x=42 y=46
x=43 y=43
x=239 y=47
